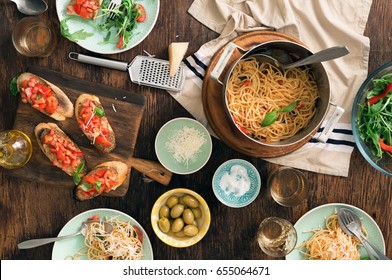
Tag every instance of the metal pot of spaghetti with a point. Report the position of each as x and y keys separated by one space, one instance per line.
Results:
x=274 y=107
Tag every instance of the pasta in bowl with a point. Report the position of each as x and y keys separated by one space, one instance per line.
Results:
x=272 y=107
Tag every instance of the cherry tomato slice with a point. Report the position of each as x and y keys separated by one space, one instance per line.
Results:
x=142 y=13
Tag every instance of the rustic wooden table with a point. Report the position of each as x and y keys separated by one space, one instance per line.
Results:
x=31 y=210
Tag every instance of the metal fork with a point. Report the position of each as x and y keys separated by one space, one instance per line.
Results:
x=350 y=224
x=113 y=5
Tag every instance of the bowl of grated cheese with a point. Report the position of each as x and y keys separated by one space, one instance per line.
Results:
x=236 y=183
x=183 y=146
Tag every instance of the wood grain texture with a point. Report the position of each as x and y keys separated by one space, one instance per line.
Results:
x=123 y=109
x=45 y=210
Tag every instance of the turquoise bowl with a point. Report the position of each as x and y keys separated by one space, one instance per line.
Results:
x=166 y=157
x=236 y=183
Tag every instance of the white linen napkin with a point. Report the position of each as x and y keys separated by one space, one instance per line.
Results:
x=319 y=24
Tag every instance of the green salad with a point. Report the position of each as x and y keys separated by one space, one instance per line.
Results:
x=375 y=118
x=118 y=30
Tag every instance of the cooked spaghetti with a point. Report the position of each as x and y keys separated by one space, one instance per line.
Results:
x=331 y=243
x=255 y=89
x=123 y=243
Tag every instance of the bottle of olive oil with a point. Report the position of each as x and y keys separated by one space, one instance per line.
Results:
x=15 y=149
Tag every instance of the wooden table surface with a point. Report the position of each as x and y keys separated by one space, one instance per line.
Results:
x=30 y=210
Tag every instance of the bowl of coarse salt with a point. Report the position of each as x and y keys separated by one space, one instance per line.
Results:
x=183 y=146
x=236 y=183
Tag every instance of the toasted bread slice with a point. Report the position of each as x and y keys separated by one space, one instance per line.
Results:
x=105 y=145
x=84 y=8
x=65 y=107
x=105 y=177
x=67 y=159
x=176 y=54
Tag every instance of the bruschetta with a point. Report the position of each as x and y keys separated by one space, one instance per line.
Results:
x=87 y=9
x=60 y=149
x=44 y=96
x=103 y=178
x=92 y=120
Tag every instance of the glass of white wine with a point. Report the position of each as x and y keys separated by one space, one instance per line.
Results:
x=15 y=149
x=277 y=237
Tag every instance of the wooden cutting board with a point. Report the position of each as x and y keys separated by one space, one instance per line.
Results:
x=124 y=111
x=214 y=106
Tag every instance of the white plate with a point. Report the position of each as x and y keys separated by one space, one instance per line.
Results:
x=315 y=218
x=67 y=248
x=141 y=29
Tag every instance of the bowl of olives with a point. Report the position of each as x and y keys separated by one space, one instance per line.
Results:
x=180 y=217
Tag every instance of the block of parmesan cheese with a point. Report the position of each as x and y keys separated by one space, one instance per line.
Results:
x=177 y=52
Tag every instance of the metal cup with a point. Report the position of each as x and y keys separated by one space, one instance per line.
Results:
x=33 y=37
x=288 y=186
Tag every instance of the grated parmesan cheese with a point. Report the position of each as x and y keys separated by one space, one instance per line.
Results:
x=186 y=144
x=235 y=181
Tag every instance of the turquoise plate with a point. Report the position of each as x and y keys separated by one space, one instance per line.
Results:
x=230 y=199
x=92 y=43
x=315 y=218
x=166 y=157
x=67 y=248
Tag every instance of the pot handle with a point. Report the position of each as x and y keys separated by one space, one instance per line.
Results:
x=333 y=120
x=222 y=62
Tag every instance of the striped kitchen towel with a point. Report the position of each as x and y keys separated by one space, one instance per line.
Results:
x=319 y=24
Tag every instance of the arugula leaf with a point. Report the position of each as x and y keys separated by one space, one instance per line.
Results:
x=14 y=86
x=271 y=117
x=77 y=35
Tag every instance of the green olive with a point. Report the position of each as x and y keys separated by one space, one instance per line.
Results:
x=164 y=224
x=191 y=230
x=190 y=201
x=181 y=200
x=181 y=233
x=177 y=225
x=164 y=211
x=195 y=223
x=188 y=216
x=196 y=212
x=176 y=211
x=171 y=201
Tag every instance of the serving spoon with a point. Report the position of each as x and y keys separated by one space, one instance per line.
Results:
x=324 y=55
x=32 y=243
x=31 y=7
x=352 y=225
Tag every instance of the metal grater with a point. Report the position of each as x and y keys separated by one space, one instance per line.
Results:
x=150 y=71
x=143 y=70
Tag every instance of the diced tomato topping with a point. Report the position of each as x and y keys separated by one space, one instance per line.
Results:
x=67 y=154
x=95 y=126
x=94 y=218
x=41 y=97
x=84 y=8
x=98 y=182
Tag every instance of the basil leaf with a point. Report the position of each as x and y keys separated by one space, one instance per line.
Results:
x=289 y=108
x=80 y=167
x=98 y=185
x=76 y=178
x=269 y=118
x=14 y=86
x=99 y=112
x=85 y=187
